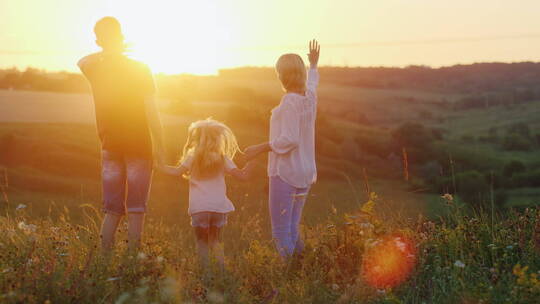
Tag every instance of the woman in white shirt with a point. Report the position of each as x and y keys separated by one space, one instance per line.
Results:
x=291 y=149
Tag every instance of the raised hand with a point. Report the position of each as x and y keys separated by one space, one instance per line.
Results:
x=314 y=51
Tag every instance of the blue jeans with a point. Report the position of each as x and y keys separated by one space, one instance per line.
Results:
x=126 y=182
x=286 y=203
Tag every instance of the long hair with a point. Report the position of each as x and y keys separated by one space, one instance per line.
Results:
x=208 y=143
x=291 y=71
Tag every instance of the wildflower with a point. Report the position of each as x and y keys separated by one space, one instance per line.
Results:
x=111 y=279
x=215 y=297
x=399 y=244
x=20 y=206
x=160 y=259
x=141 y=256
x=459 y=264
x=448 y=197
x=366 y=226
x=123 y=298
x=27 y=228
x=509 y=247
x=170 y=288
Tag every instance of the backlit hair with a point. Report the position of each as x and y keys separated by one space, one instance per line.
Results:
x=209 y=142
x=291 y=72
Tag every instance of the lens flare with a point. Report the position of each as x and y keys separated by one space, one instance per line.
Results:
x=389 y=261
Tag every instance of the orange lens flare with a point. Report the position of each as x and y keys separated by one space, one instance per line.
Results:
x=389 y=261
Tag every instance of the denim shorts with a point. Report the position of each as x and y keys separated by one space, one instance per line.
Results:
x=207 y=219
x=126 y=182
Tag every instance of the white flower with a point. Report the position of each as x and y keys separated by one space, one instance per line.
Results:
x=113 y=279
x=160 y=259
x=141 y=256
x=27 y=228
x=21 y=206
x=448 y=197
x=402 y=246
x=459 y=264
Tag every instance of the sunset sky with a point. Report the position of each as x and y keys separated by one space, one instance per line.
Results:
x=205 y=35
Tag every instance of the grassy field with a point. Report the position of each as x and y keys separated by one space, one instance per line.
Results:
x=461 y=258
x=50 y=201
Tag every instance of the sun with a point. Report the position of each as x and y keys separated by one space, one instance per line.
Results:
x=174 y=36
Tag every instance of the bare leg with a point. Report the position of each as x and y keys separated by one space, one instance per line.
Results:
x=215 y=244
x=135 y=228
x=202 y=244
x=108 y=231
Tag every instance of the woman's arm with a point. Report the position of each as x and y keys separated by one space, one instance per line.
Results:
x=313 y=75
x=253 y=151
x=286 y=141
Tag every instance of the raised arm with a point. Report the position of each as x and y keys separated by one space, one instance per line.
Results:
x=313 y=74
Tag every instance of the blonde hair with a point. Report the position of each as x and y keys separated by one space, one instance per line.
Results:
x=291 y=71
x=208 y=143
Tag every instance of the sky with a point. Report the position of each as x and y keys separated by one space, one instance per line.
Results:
x=201 y=36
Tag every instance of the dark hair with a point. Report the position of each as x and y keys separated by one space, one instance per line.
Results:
x=109 y=32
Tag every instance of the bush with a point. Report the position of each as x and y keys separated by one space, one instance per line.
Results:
x=468 y=138
x=527 y=179
x=516 y=142
x=471 y=185
x=513 y=167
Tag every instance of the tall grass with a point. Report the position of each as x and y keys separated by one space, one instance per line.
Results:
x=461 y=258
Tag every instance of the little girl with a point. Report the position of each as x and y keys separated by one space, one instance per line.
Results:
x=291 y=159
x=207 y=157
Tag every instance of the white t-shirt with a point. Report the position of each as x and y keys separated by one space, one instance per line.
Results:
x=209 y=195
x=292 y=136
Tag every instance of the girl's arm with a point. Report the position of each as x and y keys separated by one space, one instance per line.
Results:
x=243 y=174
x=172 y=170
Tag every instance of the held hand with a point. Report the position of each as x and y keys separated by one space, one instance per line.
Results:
x=251 y=152
x=314 y=51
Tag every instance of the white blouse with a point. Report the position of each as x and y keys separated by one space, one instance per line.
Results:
x=292 y=136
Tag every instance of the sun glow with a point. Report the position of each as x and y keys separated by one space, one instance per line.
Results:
x=174 y=36
x=389 y=261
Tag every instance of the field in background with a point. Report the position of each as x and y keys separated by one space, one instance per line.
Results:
x=470 y=249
